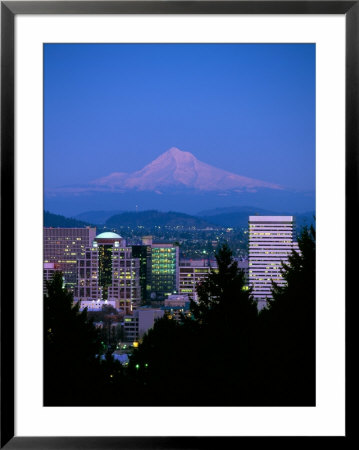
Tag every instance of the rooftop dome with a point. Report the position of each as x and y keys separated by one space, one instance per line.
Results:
x=108 y=235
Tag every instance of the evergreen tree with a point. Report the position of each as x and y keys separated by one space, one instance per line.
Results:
x=208 y=355
x=223 y=296
x=288 y=330
x=71 y=349
x=157 y=365
x=228 y=316
x=229 y=355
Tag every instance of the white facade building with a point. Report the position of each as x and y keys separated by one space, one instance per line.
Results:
x=96 y=305
x=270 y=244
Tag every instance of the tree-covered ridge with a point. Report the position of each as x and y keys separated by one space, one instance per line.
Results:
x=153 y=218
x=238 y=216
x=58 y=221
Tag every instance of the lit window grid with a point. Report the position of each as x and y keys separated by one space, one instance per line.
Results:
x=124 y=287
x=270 y=244
x=64 y=246
x=190 y=277
x=164 y=272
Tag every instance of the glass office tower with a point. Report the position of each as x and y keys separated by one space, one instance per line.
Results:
x=109 y=272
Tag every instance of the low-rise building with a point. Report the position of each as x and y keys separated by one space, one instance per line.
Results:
x=243 y=264
x=177 y=300
x=176 y=305
x=96 y=305
x=137 y=324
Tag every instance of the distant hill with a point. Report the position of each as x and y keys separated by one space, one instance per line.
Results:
x=152 y=218
x=98 y=217
x=238 y=216
x=58 y=221
x=249 y=210
x=220 y=217
x=233 y=216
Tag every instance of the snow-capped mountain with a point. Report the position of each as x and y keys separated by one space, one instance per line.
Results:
x=176 y=181
x=178 y=169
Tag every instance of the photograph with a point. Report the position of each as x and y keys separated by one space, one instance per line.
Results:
x=179 y=209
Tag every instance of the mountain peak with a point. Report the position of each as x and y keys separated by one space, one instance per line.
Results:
x=176 y=168
x=178 y=157
x=174 y=151
x=178 y=154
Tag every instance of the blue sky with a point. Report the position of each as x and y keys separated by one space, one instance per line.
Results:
x=246 y=108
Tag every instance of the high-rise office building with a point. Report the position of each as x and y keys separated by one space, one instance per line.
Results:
x=48 y=273
x=63 y=247
x=164 y=270
x=163 y=262
x=270 y=244
x=108 y=272
x=193 y=272
x=144 y=254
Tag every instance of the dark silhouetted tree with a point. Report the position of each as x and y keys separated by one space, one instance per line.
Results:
x=71 y=349
x=223 y=296
x=228 y=354
x=227 y=315
x=202 y=360
x=288 y=331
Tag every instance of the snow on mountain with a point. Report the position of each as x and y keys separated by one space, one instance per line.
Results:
x=178 y=169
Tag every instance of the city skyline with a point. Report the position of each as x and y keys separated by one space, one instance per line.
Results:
x=96 y=264
x=138 y=300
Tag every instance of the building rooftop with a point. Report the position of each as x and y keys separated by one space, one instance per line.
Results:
x=271 y=218
x=108 y=235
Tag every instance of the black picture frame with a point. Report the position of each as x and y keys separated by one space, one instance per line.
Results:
x=9 y=9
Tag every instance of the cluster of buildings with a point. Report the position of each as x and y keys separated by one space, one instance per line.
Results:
x=143 y=282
